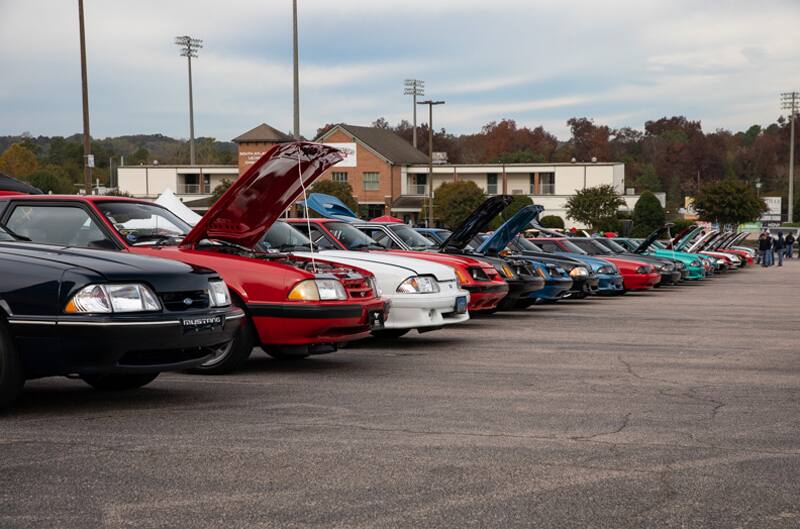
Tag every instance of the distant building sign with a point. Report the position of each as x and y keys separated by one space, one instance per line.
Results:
x=688 y=206
x=439 y=157
x=349 y=151
x=773 y=213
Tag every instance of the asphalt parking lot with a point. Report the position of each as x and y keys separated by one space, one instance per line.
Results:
x=673 y=408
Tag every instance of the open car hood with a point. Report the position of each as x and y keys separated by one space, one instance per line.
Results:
x=257 y=198
x=498 y=241
x=652 y=238
x=685 y=236
x=330 y=207
x=477 y=221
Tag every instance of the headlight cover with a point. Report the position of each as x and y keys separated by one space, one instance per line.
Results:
x=318 y=290
x=578 y=271
x=507 y=271
x=644 y=269
x=419 y=285
x=107 y=299
x=605 y=270
x=218 y=293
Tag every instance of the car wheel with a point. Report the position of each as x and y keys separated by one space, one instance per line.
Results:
x=119 y=382
x=390 y=333
x=12 y=376
x=524 y=303
x=232 y=355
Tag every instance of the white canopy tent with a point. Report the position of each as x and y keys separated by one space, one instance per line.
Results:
x=174 y=204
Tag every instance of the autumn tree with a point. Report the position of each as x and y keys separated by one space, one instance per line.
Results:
x=17 y=161
x=341 y=190
x=648 y=180
x=590 y=140
x=454 y=201
x=731 y=201
x=594 y=205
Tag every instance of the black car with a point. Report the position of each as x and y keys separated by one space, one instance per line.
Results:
x=113 y=319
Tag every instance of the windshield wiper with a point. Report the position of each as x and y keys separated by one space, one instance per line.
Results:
x=367 y=245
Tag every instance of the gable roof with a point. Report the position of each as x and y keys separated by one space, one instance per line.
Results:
x=384 y=142
x=263 y=133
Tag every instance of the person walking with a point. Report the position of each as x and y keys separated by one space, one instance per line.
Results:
x=764 y=245
x=789 y=245
x=780 y=248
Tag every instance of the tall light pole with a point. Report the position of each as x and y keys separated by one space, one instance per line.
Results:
x=430 y=104
x=414 y=87
x=189 y=47
x=88 y=160
x=791 y=101
x=296 y=62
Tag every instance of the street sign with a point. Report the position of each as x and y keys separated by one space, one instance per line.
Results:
x=90 y=160
x=773 y=213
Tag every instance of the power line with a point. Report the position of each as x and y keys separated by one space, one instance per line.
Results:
x=791 y=101
x=414 y=87
x=189 y=47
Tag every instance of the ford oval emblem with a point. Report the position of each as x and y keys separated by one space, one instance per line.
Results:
x=187 y=301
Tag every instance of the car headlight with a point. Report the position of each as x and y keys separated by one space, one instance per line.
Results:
x=218 y=293
x=605 y=270
x=419 y=285
x=105 y=299
x=578 y=271
x=644 y=269
x=478 y=274
x=318 y=290
x=506 y=270
x=540 y=273
x=695 y=263
x=679 y=265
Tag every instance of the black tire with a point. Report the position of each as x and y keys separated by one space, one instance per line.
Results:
x=12 y=376
x=390 y=333
x=119 y=382
x=231 y=356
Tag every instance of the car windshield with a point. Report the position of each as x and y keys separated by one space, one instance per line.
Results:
x=526 y=245
x=352 y=237
x=615 y=246
x=572 y=247
x=591 y=247
x=139 y=223
x=414 y=240
x=284 y=237
x=627 y=243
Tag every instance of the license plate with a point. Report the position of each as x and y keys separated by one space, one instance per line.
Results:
x=461 y=304
x=201 y=323
x=376 y=320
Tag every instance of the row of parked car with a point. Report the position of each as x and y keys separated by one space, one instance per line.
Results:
x=115 y=290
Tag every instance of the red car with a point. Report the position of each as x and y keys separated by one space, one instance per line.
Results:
x=636 y=275
x=485 y=286
x=295 y=307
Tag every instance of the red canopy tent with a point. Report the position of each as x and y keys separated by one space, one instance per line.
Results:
x=386 y=218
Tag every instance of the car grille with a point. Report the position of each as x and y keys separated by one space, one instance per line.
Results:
x=358 y=287
x=181 y=301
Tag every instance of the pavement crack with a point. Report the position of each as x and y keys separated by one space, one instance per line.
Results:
x=623 y=424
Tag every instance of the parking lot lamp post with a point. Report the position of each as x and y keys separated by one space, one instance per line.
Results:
x=414 y=87
x=791 y=102
x=189 y=47
x=430 y=104
x=88 y=161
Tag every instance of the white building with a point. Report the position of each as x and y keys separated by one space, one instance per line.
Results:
x=193 y=184
x=549 y=185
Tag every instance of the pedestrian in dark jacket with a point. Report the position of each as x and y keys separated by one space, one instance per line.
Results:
x=789 y=245
x=764 y=247
x=780 y=248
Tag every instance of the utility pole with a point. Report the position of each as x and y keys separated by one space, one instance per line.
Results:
x=189 y=47
x=430 y=104
x=791 y=101
x=88 y=160
x=414 y=87
x=296 y=60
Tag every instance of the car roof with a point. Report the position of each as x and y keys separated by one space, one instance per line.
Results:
x=82 y=198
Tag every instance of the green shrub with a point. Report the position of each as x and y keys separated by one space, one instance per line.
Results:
x=552 y=222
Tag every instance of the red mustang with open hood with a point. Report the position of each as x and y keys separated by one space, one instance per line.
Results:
x=295 y=306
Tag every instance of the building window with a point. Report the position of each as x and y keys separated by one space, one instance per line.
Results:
x=371 y=182
x=547 y=183
x=491 y=184
x=532 y=188
x=370 y=211
x=339 y=177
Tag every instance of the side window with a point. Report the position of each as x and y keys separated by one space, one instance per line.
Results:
x=548 y=246
x=381 y=238
x=319 y=238
x=59 y=225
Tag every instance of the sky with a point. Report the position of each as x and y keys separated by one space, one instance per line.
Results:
x=538 y=62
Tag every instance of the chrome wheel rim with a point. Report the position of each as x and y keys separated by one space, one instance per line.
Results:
x=220 y=353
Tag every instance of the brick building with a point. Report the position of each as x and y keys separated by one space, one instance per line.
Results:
x=255 y=142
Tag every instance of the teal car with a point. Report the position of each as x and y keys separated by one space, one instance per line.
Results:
x=650 y=246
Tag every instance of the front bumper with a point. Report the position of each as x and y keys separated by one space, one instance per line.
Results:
x=553 y=289
x=486 y=296
x=520 y=289
x=315 y=323
x=641 y=281
x=609 y=283
x=415 y=311
x=670 y=278
x=66 y=345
